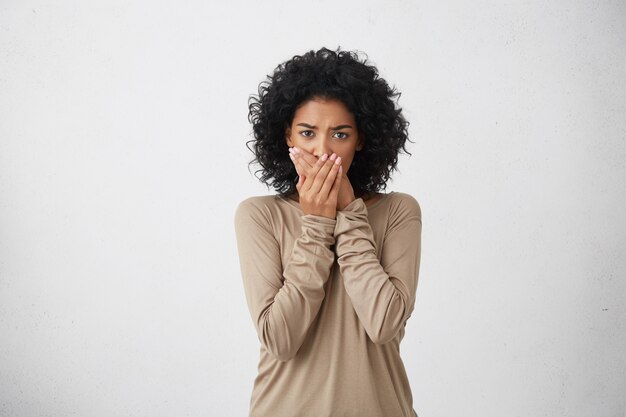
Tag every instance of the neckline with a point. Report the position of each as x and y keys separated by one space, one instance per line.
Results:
x=382 y=198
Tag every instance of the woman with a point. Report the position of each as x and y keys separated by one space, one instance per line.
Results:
x=330 y=265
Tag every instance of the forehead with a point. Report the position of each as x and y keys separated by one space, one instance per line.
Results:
x=323 y=110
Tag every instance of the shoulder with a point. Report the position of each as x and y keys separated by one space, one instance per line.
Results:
x=256 y=203
x=402 y=205
x=257 y=208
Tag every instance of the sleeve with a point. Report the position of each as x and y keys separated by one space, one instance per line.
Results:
x=283 y=302
x=382 y=291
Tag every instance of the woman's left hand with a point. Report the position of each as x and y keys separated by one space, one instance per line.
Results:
x=346 y=193
x=307 y=161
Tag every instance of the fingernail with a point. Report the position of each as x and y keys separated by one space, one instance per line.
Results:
x=291 y=156
x=333 y=156
x=338 y=160
x=290 y=150
x=324 y=157
x=296 y=149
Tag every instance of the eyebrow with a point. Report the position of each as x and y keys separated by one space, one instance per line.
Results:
x=332 y=128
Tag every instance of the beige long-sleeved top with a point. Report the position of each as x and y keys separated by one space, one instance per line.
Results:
x=330 y=299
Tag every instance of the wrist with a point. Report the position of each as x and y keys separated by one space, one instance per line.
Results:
x=328 y=213
x=345 y=202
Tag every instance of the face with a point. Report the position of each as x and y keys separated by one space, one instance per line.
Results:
x=322 y=126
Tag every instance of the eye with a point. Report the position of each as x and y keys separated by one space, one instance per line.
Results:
x=307 y=133
x=341 y=135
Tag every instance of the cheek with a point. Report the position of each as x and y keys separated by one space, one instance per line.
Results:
x=345 y=165
x=307 y=147
x=297 y=140
x=346 y=161
x=307 y=144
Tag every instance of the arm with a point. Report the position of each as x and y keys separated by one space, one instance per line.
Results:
x=382 y=291
x=283 y=302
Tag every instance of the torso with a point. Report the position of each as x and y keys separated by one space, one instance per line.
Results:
x=362 y=375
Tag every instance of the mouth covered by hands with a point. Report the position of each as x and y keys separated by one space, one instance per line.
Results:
x=323 y=187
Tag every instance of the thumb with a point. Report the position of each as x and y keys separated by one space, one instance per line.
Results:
x=301 y=179
x=334 y=191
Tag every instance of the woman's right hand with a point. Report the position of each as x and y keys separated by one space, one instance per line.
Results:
x=318 y=184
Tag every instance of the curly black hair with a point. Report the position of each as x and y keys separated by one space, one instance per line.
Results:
x=328 y=74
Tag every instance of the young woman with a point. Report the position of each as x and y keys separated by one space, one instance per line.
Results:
x=330 y=265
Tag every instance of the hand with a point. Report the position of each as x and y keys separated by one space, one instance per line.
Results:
x=346 y=194
x=306 y=162
x=318 y=184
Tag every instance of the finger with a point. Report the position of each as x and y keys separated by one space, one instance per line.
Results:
x=300 y=169
x=330 y=179
x=294 y=159
x=307 y=159
x=320 y=177
x=307 y=165
x=311 y=175
x=334 y=192
x=300 y=182
x=297 y=165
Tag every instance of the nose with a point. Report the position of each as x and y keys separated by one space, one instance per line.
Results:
x=323 y=146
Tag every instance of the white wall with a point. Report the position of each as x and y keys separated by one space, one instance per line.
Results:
x=122 y=159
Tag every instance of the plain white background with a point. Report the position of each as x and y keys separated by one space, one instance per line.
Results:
x=122 y=159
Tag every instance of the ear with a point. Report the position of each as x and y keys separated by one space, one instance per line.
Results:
x=359 y=143
x=288 y=136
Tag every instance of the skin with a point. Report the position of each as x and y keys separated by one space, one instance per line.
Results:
x=322 y=139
